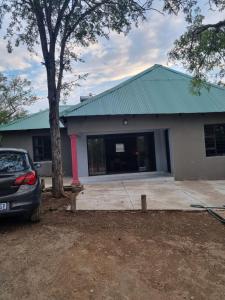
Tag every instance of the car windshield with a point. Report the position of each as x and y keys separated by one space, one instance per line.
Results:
x=11 y=162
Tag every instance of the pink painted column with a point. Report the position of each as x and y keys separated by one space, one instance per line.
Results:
x=73 y=140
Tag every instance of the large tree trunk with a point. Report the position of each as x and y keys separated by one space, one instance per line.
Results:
x=57 y=171
x=48 y=49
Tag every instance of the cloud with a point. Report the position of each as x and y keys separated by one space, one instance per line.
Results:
x=111 y=61
x=108 y=62
x=18 y=60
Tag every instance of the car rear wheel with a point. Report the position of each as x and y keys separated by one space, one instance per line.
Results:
x=36 y=215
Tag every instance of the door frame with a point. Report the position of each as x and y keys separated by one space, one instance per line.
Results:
x=121 y=134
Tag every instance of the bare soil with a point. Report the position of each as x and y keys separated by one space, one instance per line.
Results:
x=112 y=255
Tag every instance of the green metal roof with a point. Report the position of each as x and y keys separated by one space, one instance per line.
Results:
x=157 y=90
x=38 y=120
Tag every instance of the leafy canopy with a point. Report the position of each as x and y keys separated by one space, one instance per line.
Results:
x=61 y=25
x=15 y=95
x=201 y=48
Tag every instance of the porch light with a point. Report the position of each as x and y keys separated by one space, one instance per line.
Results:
x=125 y=122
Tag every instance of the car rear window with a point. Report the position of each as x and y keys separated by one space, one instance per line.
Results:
x=11 y=162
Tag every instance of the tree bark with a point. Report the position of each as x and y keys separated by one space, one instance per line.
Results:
x=48 y=51
x=53 y=98
x=57 y=172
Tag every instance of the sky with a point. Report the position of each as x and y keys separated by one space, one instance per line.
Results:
x=108 y=62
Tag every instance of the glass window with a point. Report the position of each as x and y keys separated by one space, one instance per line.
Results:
x=42 y=148
x=146 y=152
x=215 y=139
x=142 y=153
x=11 y=162
x=96 y=156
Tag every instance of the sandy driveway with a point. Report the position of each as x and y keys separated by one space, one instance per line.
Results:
x=114 y=255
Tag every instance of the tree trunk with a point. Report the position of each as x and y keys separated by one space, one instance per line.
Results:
x=57 y=172
x=48 y=45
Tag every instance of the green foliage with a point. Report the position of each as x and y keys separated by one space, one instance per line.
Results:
x=201 y=48
x=60 y=25
x=15 y=94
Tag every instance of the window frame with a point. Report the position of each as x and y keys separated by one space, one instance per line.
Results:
x=44 y=155
x=215 y=139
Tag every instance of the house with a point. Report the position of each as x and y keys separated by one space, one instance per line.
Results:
x=151 y=122
x=33 y=134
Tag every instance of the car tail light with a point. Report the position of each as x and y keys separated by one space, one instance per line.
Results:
x=30 y=178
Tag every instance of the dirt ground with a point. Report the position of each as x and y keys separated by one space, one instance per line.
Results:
x=112 y=255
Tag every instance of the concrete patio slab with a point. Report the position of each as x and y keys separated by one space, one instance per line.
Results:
x=122 y=177
x=163 y=193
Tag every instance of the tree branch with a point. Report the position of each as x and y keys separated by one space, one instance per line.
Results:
x=48 y=9
x=61 y=66
x=203 y=28
x=60 y=15
x=35 y=6
x=82 y=16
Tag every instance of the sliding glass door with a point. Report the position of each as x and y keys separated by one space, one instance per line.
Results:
x=146 y=152
x=121 y=153
x=96 y=156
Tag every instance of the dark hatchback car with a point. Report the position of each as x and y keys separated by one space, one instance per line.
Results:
x=20 y=189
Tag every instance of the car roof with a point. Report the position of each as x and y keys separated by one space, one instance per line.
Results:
x=13 y=150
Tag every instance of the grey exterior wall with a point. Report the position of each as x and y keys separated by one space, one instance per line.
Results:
x=187 y=144
x=23 y=139
x=160 y=150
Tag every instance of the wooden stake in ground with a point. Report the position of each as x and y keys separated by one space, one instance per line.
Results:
x=42 y=184
x=143 y=203
x=74 y=202
x=75 y=191
x=74 y=199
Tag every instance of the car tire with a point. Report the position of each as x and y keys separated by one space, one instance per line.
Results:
x=36 y=215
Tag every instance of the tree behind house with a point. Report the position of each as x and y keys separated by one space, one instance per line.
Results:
x=15 y=95
x=201 y=48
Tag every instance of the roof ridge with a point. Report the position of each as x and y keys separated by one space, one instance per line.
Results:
x=191 y=77
x=181 y=76
x=69 y=109
x=118 y=86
